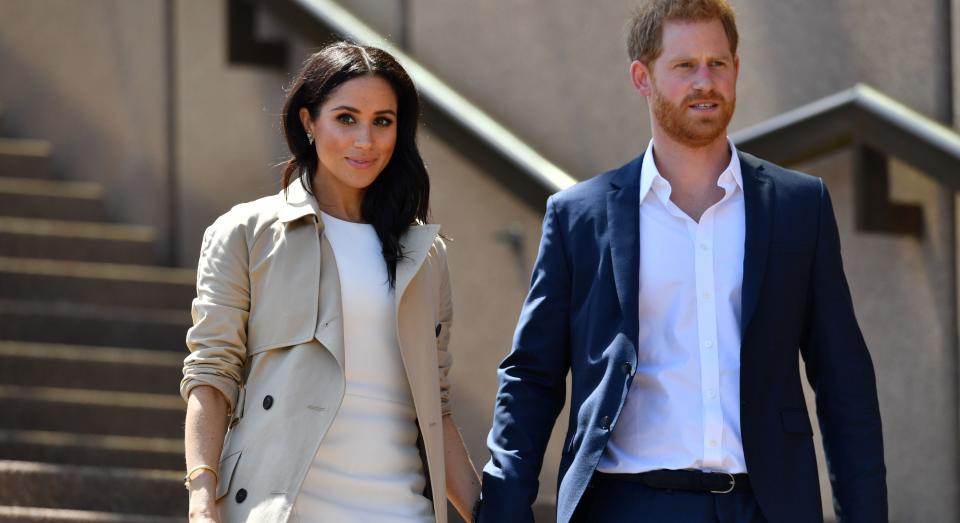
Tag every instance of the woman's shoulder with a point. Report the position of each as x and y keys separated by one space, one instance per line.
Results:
x=249 y=218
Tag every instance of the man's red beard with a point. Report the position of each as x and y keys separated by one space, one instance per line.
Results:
x=688 y=128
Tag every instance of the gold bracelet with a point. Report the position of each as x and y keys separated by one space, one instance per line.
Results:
x=189 y=477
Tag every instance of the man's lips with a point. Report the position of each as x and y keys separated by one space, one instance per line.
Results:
x=704 y=106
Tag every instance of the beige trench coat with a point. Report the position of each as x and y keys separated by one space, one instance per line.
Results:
x=267 y=333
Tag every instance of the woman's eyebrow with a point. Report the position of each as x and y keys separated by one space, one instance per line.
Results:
x=357 y=111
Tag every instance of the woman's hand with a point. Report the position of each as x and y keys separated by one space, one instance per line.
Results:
x=203 y=499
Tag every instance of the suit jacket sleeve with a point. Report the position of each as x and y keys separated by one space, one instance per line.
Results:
x=841 y=374
x=532 y=384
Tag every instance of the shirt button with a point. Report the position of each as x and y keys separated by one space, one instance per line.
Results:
x=709 y=344
x=267 y=402
x=706 y=295
x=713 y=443
x=712 y=393
x=605 y=423
x=704 y=247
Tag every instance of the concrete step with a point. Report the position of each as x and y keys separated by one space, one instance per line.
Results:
x=132 y=491
x=24 y=158
x=57 y=515
x=112 y=326
x=85 y=411
x=92 y=449
x=36 y=279
x=73 y=240
x=51 y=199
x=90 y=367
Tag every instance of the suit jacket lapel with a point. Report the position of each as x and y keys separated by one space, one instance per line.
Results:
x=758 y=195
x=623 y=224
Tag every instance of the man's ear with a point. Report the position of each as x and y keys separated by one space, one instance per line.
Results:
x=641 y=77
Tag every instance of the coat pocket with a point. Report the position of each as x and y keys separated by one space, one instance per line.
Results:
x=796 y=421
x=228 y=465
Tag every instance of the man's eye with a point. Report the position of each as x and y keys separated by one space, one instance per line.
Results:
x=345 y=118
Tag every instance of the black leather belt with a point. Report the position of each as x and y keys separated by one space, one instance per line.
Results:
x=690 y=480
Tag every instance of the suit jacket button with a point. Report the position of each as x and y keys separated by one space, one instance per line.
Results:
x=267 y=402
x=241 y=495
x=627 y=368
x=605 y=423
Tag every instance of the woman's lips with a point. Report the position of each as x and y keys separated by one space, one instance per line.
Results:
x=358 y=163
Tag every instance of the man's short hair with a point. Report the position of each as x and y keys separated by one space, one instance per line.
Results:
x=645 y=37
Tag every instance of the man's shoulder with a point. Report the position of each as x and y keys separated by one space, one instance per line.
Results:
x=782 y=178
x=596 y=188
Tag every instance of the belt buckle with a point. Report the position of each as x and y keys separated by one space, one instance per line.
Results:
x=733 y=484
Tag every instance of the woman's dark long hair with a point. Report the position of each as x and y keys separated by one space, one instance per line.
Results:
x=400 y=196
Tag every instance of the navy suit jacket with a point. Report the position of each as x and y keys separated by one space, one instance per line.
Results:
x=581 y=316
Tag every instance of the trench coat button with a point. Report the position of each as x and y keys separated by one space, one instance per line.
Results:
x=627 y=368
x=605 y=423
x=241 y=495
x=438 y=330
x=267 y=402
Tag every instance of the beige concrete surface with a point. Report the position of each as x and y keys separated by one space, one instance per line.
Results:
x=90 y=78
x=555 y=71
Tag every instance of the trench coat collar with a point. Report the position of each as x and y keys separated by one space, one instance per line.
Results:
x=297 y=203
x=416 y=241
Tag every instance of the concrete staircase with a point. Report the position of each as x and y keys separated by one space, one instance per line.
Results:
x=91 y=342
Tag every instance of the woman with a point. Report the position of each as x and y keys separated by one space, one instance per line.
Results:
x=322 y=319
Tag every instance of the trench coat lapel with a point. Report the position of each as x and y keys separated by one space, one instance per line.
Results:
x=416 y=244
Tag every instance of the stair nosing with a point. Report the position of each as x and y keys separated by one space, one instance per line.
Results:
x=26 y=147
x=97 y=441
x=56 y=468
x=97 y=270
x=62 y=351
x=76 y=229
x=84 y=515
x=51 y=188
x=100 y=398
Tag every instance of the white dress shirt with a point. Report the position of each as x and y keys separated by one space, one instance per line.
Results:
x=683 y=408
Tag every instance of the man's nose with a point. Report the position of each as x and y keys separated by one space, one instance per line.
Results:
x=703 y=78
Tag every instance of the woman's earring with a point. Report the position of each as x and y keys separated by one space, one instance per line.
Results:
x=310 y=138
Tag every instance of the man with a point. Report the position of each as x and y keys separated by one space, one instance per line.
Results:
x=680 y=290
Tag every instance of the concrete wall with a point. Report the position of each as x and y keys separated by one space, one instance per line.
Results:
x=555 y=71
x=91 y=78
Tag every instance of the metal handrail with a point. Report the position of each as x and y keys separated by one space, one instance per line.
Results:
x=478 y=123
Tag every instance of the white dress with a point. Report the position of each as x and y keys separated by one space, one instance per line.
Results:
x=368 y=467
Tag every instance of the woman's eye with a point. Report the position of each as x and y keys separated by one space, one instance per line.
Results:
x=383 y=122
x=346 y=118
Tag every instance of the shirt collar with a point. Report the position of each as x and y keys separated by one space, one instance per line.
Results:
x=650 y=177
